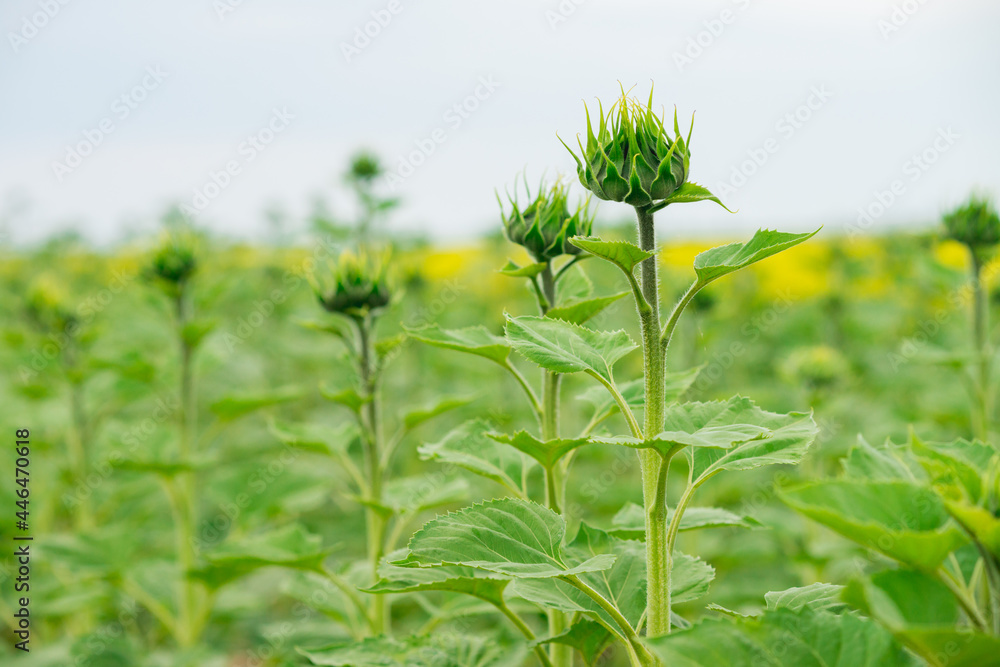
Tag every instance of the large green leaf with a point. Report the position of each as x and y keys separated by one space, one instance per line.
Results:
x=790 y=437
x=630 y=521
x=887 y=463
x=419 y=493
x=578 y=312
x=626 y=256
x=624 y=584
x=902 y=520
x=475 y=340
x=783 y=638
x=513 y=537
x=813 y=596
x=441 y=649
x=237 y=405
x=546 y=452
x=454 y=579
x=469 y=447
x=567 y=348
x=717 y=262
x=290 y=546
x=923 y=614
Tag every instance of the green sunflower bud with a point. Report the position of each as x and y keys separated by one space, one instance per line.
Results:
x=975 y=224
x=175 y=260
x=544 y=225
x=365 y=167
x=633 y=159
x=357 y=285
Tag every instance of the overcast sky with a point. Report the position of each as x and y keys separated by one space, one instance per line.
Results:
x=806 y=112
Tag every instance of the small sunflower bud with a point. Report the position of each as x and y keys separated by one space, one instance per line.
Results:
x=175 y=260
x=544 y=225
x=357 y=285
x=632 y=158
x=975 y=224
x=365 y=167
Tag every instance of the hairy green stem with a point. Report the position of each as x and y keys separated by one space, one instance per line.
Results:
x=641 y=653
x=964 y=599
x=981 y=342
x=657 y=558
x=376 y=524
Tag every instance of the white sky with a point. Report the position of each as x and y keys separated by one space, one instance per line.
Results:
x=890 y=97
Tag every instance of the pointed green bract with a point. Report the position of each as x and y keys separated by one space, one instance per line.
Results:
x=689 y=193
x=902 y=520
x=626 y=256
x=783 y=638
x=517 y=538
x=567 y=348
x=717 y=262
x=528 y=271
x=469 y=447
x=578 y=312
x=546 y=452
x=475 y=340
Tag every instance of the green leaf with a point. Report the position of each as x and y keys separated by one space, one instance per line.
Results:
x=333 y=328
x=387 y=346
x=573 y=285
x=630 y=521
x=441 y=649
x=814 y=596
x=513 y=537
x=578 y=312
x=719 y=436
x=475 y=340
x=349 y=397
x=902 y=520
x=589 y=638
x=888 y=463
x=790 y=437
x=195 y=332
x=567 y=348
x=547 y=452
x=529 y=271
x=237 y=405
x=453 y=579
x=689 y=193
x=469 y=447
x=417 y=417
x=420 y=493
x=624 y=584
x=290 y=546
x=626 y=256
x=782 y=638
x=717 y=262
x=980 y=522
x=318 y=438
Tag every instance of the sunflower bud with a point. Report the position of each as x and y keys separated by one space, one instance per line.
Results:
x=357 y=285
x=175 y=260
x=975 y=224
x=544 y=225
x=632 y=158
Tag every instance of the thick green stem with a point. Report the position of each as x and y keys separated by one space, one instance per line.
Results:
x=376 y=523
x=657 y=558
x=981 y=341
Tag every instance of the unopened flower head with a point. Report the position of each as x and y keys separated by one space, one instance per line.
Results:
x=365 y=167
x=546 y=222
x=175 y=260
x=631 y=157
x=357 y=284
x=974 y=223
